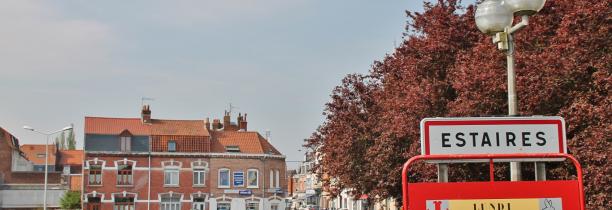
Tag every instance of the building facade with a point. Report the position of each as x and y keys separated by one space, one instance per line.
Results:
x=145 y=163
x=21 y=186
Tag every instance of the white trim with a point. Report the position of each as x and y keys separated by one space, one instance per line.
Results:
x=277 y=178
x=248 y=184
x=93 y=194
x=199 y=164
x=229 y=178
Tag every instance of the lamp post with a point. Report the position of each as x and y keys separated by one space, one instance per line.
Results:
x=48 y=135
x=495 y=17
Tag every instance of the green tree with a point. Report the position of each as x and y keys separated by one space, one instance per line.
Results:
x=71 y=200
x=71 y=141
x=62 y=141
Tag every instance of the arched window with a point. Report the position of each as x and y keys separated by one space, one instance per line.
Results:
x=252 y=178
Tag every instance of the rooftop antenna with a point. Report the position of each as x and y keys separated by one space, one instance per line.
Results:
x=232 y=107
x=268 y=133
x=143 y=99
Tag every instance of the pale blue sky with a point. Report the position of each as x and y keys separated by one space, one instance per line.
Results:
x=277 y=60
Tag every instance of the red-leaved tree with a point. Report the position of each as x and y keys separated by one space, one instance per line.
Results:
x=446 y=67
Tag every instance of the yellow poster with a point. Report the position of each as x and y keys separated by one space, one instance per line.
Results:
x=496 y=204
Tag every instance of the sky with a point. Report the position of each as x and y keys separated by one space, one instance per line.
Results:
x=277 y=60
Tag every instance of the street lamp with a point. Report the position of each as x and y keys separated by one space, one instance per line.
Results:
x=495 y=17
x=48 y=135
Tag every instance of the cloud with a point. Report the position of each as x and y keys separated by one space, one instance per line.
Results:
x=37 y=41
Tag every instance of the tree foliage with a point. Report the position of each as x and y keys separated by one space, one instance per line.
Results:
x=446 y=67
x=71 y=200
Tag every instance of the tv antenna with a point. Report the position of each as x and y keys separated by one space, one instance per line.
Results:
x=143 y=99
x=232 y=108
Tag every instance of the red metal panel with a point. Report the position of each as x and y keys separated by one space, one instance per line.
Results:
x=416 y=194
x=566 y=190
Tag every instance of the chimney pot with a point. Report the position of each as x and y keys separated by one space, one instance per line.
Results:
x=146 y=114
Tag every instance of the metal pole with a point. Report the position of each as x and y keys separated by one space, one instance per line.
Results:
x=515 y=167
x=46 y=172
x=443 y=172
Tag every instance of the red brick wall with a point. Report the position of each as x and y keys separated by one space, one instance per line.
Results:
x=264 y=167
x=140 y=178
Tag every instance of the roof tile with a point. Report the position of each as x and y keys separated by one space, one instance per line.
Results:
x=31 y=152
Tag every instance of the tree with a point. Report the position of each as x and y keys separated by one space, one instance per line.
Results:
x=446 y=67
x=71 y=141
x=62 y=141
x=71 y=200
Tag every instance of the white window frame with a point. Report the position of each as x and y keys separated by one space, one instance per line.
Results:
x=223 y=203
x=125 y=143
x=178 y=176
x=229 y=178
x=271 y=178
x=95 y=176
x=248 y=178
x=173 y=142
x=170 y=205
x=199 y=172
x=277 y=178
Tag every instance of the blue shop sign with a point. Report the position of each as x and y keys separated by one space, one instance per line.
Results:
x=238 y=178
x=245 y=192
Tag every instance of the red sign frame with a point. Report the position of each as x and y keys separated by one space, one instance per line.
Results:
x=570 y=191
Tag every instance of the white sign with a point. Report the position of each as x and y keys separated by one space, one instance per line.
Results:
x=493 y=135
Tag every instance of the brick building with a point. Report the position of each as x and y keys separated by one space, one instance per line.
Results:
x=36 y=154
x=145 y=163
x=20 y=186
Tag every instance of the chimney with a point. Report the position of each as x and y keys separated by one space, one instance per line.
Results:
x=146 y=114
x=207 y=123
x=216 y=124
x=242 y=122
x=226 y=120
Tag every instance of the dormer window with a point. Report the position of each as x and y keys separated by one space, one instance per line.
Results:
x=232 y=148
x=126 y=143
x=171 y=146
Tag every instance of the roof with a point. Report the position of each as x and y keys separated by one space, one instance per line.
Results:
x=115 y=126
x=71 y=157
x=248 y=141
x=179 y=127
x=31 y=151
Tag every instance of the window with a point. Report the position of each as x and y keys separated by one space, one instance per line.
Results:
x=126 y=144
x=170 y=202
x=124 y=203
x=224 y=178
x=95 y=175
x=171 y=176
x=93 y=203
x=171 y=146
x=124 y=175
x=199 y=204
x=199 y=176
x=252 y=178
x=223 y=206
x=277 y=178
x=252 y=206
x=40 y=155
x=274 y=206
x=232 y=148
x=271 y=178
